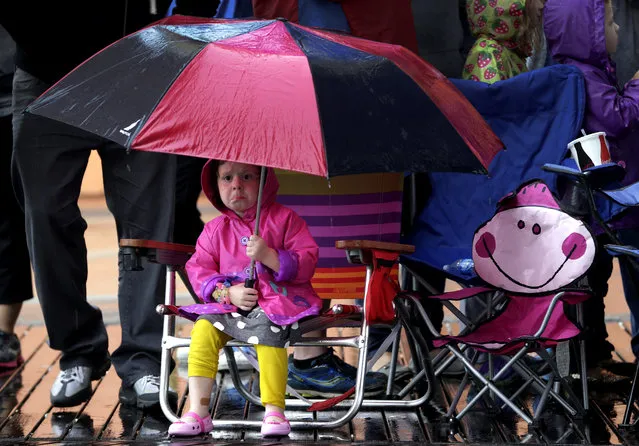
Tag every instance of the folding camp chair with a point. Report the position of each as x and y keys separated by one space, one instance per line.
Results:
x=359 y=215
x=597 y=183
x=534 y=254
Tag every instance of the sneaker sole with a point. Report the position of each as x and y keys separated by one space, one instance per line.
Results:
x=128 y=397
x=75 y=400
x=307 y=393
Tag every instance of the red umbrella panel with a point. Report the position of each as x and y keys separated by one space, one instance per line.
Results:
x=272 y=93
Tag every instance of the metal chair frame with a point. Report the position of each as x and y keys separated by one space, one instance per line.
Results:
x=358 y=252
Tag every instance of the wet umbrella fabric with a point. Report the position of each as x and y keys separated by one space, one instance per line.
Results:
x=273 y=93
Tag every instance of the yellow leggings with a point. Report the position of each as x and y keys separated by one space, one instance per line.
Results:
x=206 y=343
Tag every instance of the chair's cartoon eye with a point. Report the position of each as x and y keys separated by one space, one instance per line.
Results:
x=536 y=229
x=521 y=224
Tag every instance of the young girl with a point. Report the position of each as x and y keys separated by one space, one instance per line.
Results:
x=583 y=33
x=506 y=32
x=286 y=256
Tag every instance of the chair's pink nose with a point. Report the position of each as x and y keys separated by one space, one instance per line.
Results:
x=485 y=246
x=574 y=246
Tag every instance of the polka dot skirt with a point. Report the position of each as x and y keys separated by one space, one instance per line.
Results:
x=255 y=328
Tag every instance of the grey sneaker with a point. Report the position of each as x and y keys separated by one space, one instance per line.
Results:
x=71 y=387
x=145 y=393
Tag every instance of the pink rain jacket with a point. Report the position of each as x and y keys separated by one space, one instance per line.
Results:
x=285 y=296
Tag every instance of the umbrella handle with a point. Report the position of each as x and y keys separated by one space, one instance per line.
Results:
x=250 y=280
x=248 y=283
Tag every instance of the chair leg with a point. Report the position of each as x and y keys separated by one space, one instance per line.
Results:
x=168 y=329
x=631 y=400
x=582 y=360
x=489 y=385
x=421 y=356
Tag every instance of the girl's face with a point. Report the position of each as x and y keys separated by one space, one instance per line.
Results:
x=238 y=185
x=612 y=30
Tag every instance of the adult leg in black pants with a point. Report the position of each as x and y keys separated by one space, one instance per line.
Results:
x=601 y=367
x=188 y=224
x=15 y=269
x=51 y=159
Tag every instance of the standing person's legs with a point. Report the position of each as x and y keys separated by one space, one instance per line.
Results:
x=140 y=192
x=51 y=159
x=188 y=224
x=595 y=332
x=15 y=268
x=630 y=280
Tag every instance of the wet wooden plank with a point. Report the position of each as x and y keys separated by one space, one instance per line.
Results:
x=369 y=426
x=37 y=374
x=342 y=433
x=619 y=336
x=405 y=426
x=88 y=420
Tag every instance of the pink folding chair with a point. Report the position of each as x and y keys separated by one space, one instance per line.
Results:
x=535 y=255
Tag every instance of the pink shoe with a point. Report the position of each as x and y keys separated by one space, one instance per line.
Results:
x=183 y=428
x=275 y=429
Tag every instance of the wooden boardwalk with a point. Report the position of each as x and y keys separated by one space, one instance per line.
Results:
x=26 y=416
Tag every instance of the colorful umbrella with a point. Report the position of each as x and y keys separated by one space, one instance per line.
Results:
x=272 y=93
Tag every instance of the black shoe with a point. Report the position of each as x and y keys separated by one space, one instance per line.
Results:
x=145 y=393
x=619 y=368
x=10 y=353
x=600 y=378
x=73 y=385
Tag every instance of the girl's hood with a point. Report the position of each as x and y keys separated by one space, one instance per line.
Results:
x=575 y=29
x=501 y=20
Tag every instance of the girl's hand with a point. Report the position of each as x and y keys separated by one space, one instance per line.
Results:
x=242 y=297
x=257 y=249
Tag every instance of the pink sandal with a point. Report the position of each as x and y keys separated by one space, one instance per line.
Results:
x=275 y=428
x=190 y=428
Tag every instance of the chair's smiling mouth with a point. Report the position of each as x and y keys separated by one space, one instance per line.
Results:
x=532 y=287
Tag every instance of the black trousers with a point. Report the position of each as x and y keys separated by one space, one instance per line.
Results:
x=51 y=159
x=188 y=223
x=15 y=269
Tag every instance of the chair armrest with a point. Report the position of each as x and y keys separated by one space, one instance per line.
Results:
x=597 y=177
x=380 y=246
x=359 y=251
x=164 y=253
x=616 y=250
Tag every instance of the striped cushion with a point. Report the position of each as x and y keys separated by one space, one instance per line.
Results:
x=355 y=207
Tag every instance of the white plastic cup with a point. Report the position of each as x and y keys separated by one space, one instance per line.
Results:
x=590 y=150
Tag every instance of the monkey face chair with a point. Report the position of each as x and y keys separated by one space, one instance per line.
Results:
x=533 y=254
x=356 y=222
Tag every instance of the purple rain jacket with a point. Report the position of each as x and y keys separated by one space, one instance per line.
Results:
x=575 y=31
